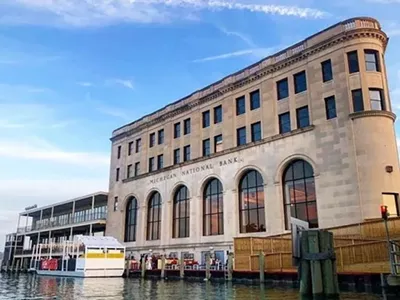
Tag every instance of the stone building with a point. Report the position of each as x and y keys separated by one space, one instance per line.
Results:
x=307 y=132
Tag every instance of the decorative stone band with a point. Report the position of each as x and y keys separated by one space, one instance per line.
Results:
x=336 y=34
x=373 y=113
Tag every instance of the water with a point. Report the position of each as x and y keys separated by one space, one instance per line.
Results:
x=25 y=286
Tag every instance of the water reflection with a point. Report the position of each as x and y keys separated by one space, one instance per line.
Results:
x=25 y=286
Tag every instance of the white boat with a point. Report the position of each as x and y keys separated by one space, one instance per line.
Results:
x=86 y=256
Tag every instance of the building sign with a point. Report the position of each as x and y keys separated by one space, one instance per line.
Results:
x=194 y=170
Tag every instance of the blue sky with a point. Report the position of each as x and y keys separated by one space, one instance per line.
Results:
x=71 y=71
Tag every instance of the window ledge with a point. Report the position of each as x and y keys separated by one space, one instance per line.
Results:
x=373 y=113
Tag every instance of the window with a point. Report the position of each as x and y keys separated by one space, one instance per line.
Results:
x=392 y=203
x=115 y=203
x=326 y=70
x=130 y=148
x=206 y=119
x=151 y=164
x=358 y=102
x=117 y=174
x=375 y=96
x=282 y=87
x=352 y=59
x=206 y=147
x=177 y=130
x=303 y=118
x=152 y=139
x=217 y=114
x=372 y=60
x=119 y=152
x=300 y=82
x=299 y=193
x=161 y=136
x=330 y=107
x=138 y=145
x=251 y=203
x=177 y=156
x=129 y=171
x=186 y=153
x=256 y=132
x=181 y=213
x=254 y=100
x=241 y=136
x=186 y=126
x=240 y=105
x=131 y=220
x=154 y=217
x=213 y=207
x=284 y=123
x=160 y=162
x=137 y=168
x=218 y=143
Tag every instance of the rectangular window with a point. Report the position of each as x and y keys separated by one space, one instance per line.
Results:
x=218 y=114
x=282 y=87
x=330 y=107
x=241 y=136
x=284 y=123
x=326 y=70
x=206 y=147
x=129 y=171
x=300 y=82
x=161 y=136
x=177 y=130
x=186 y=153
x=358 y=102
x=206 y=119
x=137 y=169
x=256 y=132
x=119 y=152
x=138 y=145
x=218 y=143
x=130 y=148
x=372 y=60
x=376 y=98
x=392 y=203
x=240 y=105
x=115 y=203
x=186 y=126
x=117 y=174
x=352 y=59
x=151 y=164
x=160 y=162
x=152 y=139
x=177 y=156
x=303 y=117
x=254 y=100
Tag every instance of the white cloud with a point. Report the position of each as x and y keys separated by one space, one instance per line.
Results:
x=247 y=40
x=85 y=83
x=38 y=149
x=258 y=53
x=124 y=82
x=102 y=12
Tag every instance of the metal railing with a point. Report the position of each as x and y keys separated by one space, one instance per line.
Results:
x=395 y=257
x=64 y=222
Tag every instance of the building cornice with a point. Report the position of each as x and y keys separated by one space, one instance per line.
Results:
x=339 y=33
x=222 y=153
x=373 y=113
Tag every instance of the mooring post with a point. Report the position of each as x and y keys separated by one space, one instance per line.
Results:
x=208 y=272
x=261 y=260
x=162 y=266
x=143 y=267
x=230 y=266
x=315 y=265
x=329 y=274
x=304 y=266
x=182 y=267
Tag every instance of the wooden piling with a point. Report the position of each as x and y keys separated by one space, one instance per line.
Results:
x=162 y=266
x=143 y=267
x=304 y=267
x=208 y=272
x=230 y=266
x=329 y=274
x=261 y=260
x=315 y=265
x=182 y=267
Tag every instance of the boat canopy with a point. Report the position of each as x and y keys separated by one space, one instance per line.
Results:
x=99 y=242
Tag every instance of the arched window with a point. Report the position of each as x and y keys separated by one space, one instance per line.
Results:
x=251 y=203
x=181 y=212
x=213 y=208
x=131 y=220
x=299 y=193
x=154 y=217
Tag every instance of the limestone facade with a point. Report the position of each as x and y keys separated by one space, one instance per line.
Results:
x=353 y=154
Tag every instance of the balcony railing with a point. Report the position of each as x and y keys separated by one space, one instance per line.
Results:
x=65 y=222
x=55 y=248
